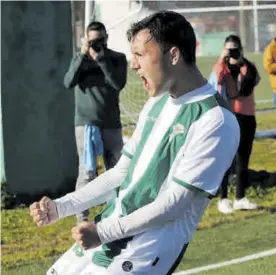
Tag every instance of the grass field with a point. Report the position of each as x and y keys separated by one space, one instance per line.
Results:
x=28 y=250
x=133 y=96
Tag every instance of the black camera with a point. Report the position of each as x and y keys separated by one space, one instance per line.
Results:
x=235 y=53
x=96 y=44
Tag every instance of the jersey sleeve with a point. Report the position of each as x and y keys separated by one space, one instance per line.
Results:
x=208 y=152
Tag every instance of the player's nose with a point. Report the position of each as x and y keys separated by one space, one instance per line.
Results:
x=134 y=64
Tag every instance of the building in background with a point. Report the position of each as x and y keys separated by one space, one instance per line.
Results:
x=253 y=20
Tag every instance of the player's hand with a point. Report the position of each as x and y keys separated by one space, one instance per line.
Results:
x=86 y=235
x=44 y=212
x=224 y=53
x=85 y=46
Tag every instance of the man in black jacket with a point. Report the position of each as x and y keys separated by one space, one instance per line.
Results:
x=99 y=74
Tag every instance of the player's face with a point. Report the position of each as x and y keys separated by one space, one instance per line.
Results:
x=148 y=60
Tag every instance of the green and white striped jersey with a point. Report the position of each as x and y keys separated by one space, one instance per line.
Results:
x=176 y=141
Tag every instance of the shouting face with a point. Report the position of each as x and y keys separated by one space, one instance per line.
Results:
x=150 y=62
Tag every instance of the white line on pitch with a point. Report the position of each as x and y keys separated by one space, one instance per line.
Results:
x=231 y=262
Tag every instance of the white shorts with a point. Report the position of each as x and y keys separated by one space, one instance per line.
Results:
x=153 y=252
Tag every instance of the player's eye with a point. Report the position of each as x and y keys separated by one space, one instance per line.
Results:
x=137 y=54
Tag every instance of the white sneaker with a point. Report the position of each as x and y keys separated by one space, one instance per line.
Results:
x=245 y=204
x=225 y=206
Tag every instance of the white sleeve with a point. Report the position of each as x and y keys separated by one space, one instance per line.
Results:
x=168 y=207
x=95 y=192
x=209 y=151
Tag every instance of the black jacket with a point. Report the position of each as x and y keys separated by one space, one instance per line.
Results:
x=98 y=84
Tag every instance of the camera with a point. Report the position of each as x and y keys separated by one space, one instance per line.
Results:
x=96 y=44
x=234 y=53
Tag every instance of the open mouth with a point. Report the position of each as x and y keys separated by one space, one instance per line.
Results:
x=145 y=82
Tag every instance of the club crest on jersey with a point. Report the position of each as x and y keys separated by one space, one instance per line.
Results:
x=177 y=129
x=127 y=266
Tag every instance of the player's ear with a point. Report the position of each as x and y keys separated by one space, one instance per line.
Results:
x=175 y=55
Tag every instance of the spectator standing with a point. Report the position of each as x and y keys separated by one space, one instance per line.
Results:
x=99 y=74
x=235 y=77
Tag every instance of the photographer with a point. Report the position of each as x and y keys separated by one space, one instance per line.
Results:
x=235 y=78
x=99 y=74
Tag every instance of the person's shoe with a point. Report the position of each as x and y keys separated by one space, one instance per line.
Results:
x=225 y=206
x=244 y=204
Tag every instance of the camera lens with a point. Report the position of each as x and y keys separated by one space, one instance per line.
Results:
x=96 y=44
x=234 y=53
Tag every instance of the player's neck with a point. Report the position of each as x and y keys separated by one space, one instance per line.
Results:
x=186 y=80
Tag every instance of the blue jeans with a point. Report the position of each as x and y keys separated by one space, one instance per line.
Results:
x=274 y=98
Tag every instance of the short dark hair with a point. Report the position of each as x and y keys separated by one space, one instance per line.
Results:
x=169 y=28
x=235 y=39
x=96 y=26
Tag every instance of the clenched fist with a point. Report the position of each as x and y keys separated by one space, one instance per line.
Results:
x=44 y=212
x=86 y=235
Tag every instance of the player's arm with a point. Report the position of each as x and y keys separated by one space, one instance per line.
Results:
x=47 y=211
x=197 y=177
x=95 y=192
x=98 y=191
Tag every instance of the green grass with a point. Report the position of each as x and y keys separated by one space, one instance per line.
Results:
x=23 y=243
x=265 y=266
x=264 y=151
x=266 y=121
x=219 y=238
x=134 y=96
x=230 y=241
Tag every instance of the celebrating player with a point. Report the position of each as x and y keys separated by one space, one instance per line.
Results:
x=170 y=168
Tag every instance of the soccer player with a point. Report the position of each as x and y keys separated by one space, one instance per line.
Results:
x=170 y=168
